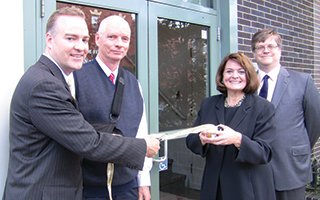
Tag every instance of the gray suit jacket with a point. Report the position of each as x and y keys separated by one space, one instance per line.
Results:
x=49 y=137
x=297 y=104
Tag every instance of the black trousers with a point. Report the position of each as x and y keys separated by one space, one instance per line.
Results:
x=132 y=194
x=296 y=194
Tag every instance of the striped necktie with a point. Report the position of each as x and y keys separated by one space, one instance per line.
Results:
x=111 y=77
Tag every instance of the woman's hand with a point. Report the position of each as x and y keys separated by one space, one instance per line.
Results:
x=224 y=136
x=203 y=137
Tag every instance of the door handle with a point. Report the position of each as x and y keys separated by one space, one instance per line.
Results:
x=165 y=156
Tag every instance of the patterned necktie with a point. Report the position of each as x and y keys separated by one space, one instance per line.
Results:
x=111 y=77
x=71 y=88
x=264 y=89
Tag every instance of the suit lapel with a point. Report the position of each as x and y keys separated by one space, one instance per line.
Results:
x=281 y=86
x=241 y=112
x=220 y=110
x=55 y=71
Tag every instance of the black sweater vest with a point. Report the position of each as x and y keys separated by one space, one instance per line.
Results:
x=94 y=93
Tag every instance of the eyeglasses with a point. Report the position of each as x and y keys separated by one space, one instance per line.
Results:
x=269 y=47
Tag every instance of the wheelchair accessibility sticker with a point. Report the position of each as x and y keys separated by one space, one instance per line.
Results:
x=163 y=165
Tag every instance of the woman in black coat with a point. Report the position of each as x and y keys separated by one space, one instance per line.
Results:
x=238 y=153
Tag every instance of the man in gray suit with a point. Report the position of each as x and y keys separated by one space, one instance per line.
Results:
x=48 y=135
x=297 y=104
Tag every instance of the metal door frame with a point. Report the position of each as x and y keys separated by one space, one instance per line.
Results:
x=159 y=10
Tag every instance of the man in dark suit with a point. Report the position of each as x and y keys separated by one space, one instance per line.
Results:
x=297 y=104
x=94 y=93
x=48 y=135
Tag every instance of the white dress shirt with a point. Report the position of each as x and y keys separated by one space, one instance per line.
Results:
x=273 y=76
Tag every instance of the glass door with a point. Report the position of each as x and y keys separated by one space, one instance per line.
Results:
x=182 y=72
x=183 y=57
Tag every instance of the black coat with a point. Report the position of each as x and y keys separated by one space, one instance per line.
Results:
x=244 y=174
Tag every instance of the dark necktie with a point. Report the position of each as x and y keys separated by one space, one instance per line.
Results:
x=111 y=77
x=264 y=89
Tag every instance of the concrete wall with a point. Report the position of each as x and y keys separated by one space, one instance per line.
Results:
x=11 y=56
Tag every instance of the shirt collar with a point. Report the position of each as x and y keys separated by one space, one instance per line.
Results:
x=106 y=69
x=273 y=74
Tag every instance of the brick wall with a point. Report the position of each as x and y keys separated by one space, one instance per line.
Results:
x=298 y=23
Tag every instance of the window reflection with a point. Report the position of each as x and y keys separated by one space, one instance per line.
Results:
x=182 y=72
x=93 y=18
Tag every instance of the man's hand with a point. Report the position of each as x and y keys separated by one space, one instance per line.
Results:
x=144 y=193
x=153 y=146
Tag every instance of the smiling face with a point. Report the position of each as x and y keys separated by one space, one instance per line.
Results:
x=67 y=44
x=234 y=77
x=267 y=58
x=113 y=39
